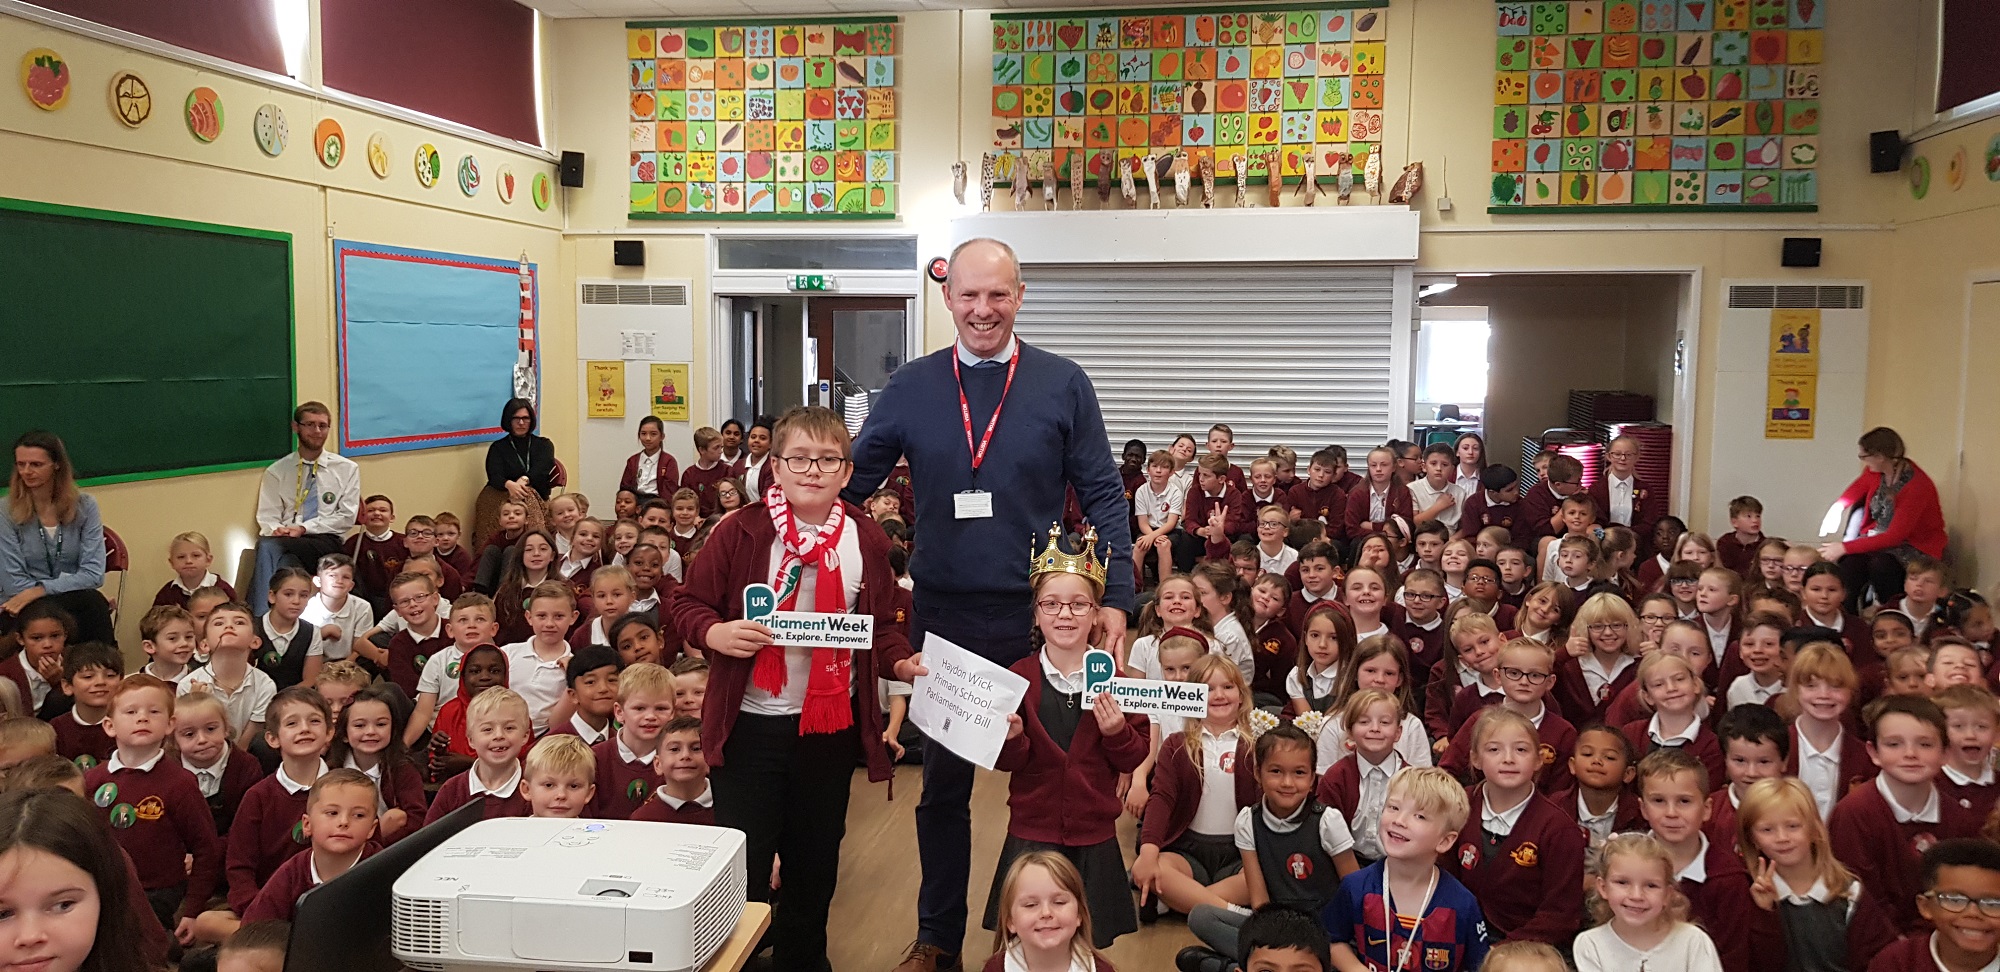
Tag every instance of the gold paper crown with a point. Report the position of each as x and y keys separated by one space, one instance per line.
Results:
x=1052 y=559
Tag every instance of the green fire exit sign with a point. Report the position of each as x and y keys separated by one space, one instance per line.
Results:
x=811 y=281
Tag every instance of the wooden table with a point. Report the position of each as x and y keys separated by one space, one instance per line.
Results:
x=743 y=941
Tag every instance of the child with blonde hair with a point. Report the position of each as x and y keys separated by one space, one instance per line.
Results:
x=188 y=554
x=1187 y=852
x=558 y=776
x=1382 y=664
x=1524 y=957
x=1601 y=658
x=1044 y=918
x=1827 y=919
x=1642 y=915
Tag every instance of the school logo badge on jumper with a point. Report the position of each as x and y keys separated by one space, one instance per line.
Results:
x=1437 y=957
x=1299 y=866
x=1468 y=856
x=86 y=761
x=636 y=790
x=1227 y=762
x=123 y=816
x=1526 y=855
x=1922 y=842
x=299 y=833
x=1548 y=755
x=151 y=808
x=105 y=795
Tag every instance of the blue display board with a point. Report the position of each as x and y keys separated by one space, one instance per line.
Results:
x=427 y=345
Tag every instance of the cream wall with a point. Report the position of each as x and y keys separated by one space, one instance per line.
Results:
x=1439 y=110
x=81 y=156
x=1918 y=384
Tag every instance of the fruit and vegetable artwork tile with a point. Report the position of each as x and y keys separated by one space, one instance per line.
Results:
x=763 y=120
x=1604 y=104
x=1286 y=91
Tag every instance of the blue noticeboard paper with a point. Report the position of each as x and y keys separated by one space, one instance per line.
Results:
x=427 y=345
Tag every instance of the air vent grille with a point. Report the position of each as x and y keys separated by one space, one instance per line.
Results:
x=636 y=295
x=1799 y=296
x=419 y=928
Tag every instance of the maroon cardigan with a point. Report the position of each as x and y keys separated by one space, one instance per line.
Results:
x=1066 y=797
x=737 y=555
x=1919 y=519
x=666 y=479
x=1397 y=503
x=1177 y=786
x=1649 y=507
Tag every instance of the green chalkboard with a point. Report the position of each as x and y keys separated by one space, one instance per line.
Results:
x=153 y=347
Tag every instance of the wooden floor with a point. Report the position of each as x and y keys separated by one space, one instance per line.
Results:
x=875 y=912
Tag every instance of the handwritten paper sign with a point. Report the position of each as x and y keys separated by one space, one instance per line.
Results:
x=962 y=703
x=806 y=629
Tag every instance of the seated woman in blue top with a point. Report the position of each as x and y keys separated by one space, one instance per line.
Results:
x=52 y=541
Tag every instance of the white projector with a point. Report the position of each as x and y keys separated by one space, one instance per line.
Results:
x=553 y=894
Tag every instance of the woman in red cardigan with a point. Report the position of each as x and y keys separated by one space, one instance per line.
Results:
x=1900 y=516
x=782 y=727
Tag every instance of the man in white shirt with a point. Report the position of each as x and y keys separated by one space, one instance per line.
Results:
x=305 y=503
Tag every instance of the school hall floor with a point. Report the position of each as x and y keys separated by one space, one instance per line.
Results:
x=875 y=909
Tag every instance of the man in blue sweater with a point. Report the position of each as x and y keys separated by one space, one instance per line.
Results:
x=994 y=431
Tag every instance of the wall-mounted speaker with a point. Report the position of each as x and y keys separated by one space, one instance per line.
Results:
x=1801 y=251
x=572 y=170
x=632 y=253
x=1885 y=151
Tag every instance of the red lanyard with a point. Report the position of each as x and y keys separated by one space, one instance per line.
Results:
x=965 y=410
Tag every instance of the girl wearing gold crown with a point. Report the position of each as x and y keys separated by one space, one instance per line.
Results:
x=1065 y=754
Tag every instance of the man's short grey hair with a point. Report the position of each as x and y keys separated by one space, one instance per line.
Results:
x=1012 y=259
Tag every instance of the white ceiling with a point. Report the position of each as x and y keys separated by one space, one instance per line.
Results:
x=767 y=8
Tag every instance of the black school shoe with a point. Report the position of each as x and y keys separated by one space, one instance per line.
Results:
x=1196 y=958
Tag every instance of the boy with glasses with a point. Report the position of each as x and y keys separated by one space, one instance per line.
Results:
x=1526 y=673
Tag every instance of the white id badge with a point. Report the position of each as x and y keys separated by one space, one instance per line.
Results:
x=973 y=504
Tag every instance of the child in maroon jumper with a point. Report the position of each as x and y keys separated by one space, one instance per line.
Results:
x=266 y=832
x=1526 y=670
x=1737 y=549
x=378 y=552
x=1672 y=689
x=1603 y=801
x=1602 y=658
x=1371 y=505
x=1957 y=876
x=1358 y=782
x=1822 y=593
x=685 y=525
x=1519 y=854
x=189 y=556
x=422 y=634
x=1467 y=666
x=1319 y=580
x=1272 y=644
x=1214 y=513
x=1044 y=913
x=557 y=775
x=1319 y=496
x=625 y=775
x=155 y=808
x=780 y=741
x=497 y=725
x=369 y=737
x=91 y=674
x=1970 y=712
x=1188 y=856
x=1754 y=746
x=652 y=471
x=707 y=470
x=1421 y=624
x=167 y=636
x=1673 y=794
x=339 y=820
x=204 y=740
x=1327 y=644
x=44 y=629
x=683 y=794
x=449 y=549
x=1494 y=504
x=1881 y=831
x=592 y=679
x=1065 y=753
x=1825 y=753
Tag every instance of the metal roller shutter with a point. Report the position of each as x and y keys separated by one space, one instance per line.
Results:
x=1283 y=354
